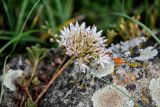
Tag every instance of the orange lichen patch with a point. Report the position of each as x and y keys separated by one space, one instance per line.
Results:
x=118 y=61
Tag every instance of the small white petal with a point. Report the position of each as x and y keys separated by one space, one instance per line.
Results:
x=88 y=28
x=72 y=26
x=99 y=33
x=83 y=26
x=76 y=25
x=62 y=32
x=94 y=29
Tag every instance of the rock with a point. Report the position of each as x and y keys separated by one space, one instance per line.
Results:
x=75 y=89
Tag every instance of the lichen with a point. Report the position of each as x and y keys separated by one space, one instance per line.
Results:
x=111 y=97
x=147 y=53
x=101 y=71
x=9 y=78
x=154 y=87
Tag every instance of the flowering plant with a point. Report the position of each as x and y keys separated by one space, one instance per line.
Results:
x=85 y=47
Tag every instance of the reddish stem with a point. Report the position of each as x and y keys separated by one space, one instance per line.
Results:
x=54 y=77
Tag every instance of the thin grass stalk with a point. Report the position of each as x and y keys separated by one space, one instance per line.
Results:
x=19 y=36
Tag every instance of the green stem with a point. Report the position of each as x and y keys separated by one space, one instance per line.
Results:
x=30 y=80
x=33 y=72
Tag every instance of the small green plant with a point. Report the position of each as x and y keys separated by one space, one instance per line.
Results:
x=29 y=103
x=36 y=54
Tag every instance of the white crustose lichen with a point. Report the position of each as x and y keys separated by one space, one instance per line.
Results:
x=9 y=77
x=147 y=53
x=85 y=45
x=111 y=97
x=154 y=87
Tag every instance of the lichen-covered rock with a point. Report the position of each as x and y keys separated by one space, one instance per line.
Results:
x=111 y=97
x=9 y=78
x=75 y=89
x=147 y=53
x=154 y=87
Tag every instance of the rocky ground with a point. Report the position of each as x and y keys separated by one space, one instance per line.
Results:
x=132 y=70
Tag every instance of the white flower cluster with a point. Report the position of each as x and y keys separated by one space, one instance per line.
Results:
x=85 y=45
x=111 y=97
x=154 y=87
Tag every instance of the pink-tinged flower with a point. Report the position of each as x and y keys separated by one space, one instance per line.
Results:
x=85 y=44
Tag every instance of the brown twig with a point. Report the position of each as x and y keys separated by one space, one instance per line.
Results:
x=27 y=92
x=22 y=101
x=53 y=78
x=29 y=82
x=64 y=59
